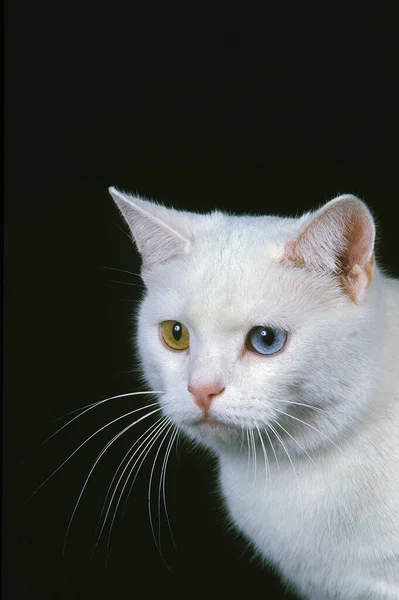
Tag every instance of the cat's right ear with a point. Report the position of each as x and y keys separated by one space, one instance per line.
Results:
x=160 y=233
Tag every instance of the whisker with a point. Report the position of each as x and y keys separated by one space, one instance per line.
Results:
x=177 y=449
x=271 y=444
x=121 y=271
x=286 y=451
x=137 y=370
x=103 y=451
x=311 y=426
x=255 y=457
x=237 y=436
x=146 y=450
x=241 y=440
x=137 y=472
x=140 y=465
x=149 y=490
x=127 y=283
x=94 y=404
x=249 y=452
x=85 y=442
x=86 y=409
x=162 y=483
x=160 y=422
x=297 y=443
x=302 y=404
x=267 y=466
x=147 y=432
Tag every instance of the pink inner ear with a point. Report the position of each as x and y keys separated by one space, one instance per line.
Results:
x=339 y=240
x=358 y=264
x=360 y=241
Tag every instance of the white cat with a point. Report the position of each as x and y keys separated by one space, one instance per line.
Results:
x=276 y=343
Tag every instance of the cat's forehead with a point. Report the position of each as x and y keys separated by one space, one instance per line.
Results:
x=232 y=274
x=243 y=231
x=230 y=239
x=239 y=245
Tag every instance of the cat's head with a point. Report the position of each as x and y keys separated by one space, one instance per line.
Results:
x=260 y=324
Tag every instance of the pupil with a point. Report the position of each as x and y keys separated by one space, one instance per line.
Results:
x=267 y=336
x=177 y=331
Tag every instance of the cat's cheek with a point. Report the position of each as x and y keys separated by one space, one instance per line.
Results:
x=153 y=369
x=161 y=365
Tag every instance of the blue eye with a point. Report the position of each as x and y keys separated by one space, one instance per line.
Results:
x=266 y=340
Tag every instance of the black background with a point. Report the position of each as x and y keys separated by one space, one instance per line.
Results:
x=261 y=116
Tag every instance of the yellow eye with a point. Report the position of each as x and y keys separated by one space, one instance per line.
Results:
x=175 y=335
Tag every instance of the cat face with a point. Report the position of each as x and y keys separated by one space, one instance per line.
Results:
x=243 y=332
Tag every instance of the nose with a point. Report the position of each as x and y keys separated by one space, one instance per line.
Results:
x=204 y=395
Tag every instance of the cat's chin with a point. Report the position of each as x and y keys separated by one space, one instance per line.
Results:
x=212 y=432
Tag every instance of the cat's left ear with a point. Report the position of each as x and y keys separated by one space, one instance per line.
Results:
x=339 y=238
x=160 y=233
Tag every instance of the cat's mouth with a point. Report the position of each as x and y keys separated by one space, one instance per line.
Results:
x=210 y=422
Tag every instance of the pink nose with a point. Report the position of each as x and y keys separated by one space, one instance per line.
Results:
x=204 y=395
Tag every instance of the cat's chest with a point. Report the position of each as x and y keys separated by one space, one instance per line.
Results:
x=322 y=527
x=289 y=514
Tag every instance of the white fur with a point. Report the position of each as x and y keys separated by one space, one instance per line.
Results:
x=327 y=516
